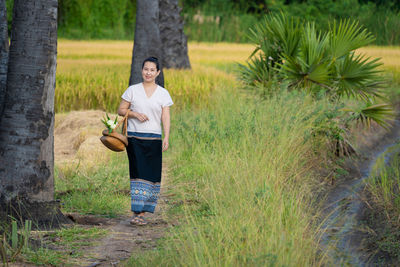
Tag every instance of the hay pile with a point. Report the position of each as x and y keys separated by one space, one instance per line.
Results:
x=77 y=138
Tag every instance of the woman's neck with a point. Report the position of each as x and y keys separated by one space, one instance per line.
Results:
x=149 y=84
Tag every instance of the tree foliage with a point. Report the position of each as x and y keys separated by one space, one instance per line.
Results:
x=96 y=18
x=221 y=20
x=379 y=17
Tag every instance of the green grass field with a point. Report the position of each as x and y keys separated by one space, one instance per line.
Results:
x=242 y=180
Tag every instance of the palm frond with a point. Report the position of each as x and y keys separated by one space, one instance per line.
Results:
x=314 y=45
x=285 y=31
x=346 y=36
x=258 y=70
x=311 y=65
x=275 y=35
x=382 y=114
x=266 y=43
x=358 y=76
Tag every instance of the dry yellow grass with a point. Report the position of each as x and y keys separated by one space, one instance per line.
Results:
x=94 y=74
x=219 y=53
x=117 y=50
x=76 y=138
x=79 y=53
x=104 y=48
x=390 y=55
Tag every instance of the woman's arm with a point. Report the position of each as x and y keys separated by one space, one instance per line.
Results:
x=166 y=122
x=124 y=108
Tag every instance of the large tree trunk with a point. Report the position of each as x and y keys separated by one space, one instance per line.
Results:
x=173 y=39
x=3 y=52
x=27 y=123
x=147 y=41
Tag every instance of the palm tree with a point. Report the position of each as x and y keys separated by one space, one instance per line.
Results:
x=159 y=33
x=290 y=51
x=173 y=39
x=147 y=39
x=3 y=52
x=27 y=123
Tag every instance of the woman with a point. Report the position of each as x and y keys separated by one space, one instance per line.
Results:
x=148 y=105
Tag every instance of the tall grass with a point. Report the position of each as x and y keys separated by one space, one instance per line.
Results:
x=383 y=24
x=242 y=175
x=384 y=188
x=383 y=212
x=219 y=27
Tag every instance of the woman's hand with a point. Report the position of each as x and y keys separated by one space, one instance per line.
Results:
x=165 y=144
x=140 y=116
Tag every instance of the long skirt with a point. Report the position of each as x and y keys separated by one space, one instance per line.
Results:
x=145 y=159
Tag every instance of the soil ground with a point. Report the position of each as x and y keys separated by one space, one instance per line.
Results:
x=123 y=239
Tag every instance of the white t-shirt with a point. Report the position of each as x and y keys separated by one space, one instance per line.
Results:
x=150 y=106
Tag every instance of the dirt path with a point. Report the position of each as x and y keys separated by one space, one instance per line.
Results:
x=77 y=138
x=124 y=239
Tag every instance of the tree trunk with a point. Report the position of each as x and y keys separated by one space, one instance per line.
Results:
x=3 y=52
x=27 y=123
x=173 y=39
x=147 y=41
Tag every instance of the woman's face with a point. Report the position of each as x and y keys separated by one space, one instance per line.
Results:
x=150 y=72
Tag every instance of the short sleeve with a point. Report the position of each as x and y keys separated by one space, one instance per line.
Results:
x=128 y=94
x=167 y=100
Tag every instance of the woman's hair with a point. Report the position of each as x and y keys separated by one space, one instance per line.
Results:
x=152 y=59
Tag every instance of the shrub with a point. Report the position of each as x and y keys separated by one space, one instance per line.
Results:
x=319 y=62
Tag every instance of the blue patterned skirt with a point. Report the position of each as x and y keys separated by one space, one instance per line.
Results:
x=145 y=159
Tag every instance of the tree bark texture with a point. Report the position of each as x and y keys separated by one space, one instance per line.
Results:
x=173 y=39
x=147 y=42
x=3 y=52
x=27 y=123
